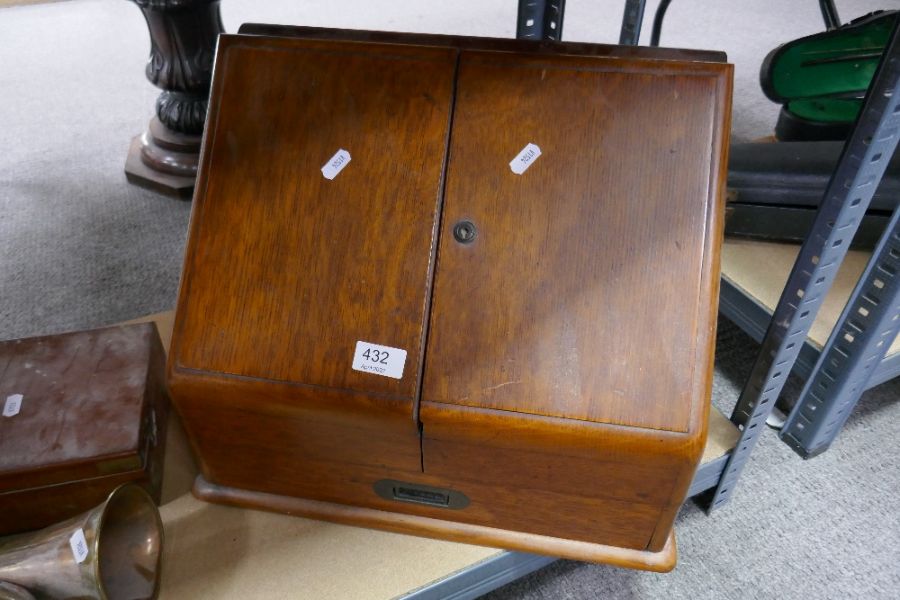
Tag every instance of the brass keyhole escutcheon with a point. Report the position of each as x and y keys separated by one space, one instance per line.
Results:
x=465 y=232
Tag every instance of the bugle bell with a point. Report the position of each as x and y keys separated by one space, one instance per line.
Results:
x=112 y=552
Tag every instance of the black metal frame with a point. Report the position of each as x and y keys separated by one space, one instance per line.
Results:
x=632 y=19
x=540 y=19
x=658 y=21
x=829 y=14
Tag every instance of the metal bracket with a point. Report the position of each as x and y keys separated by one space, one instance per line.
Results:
x=859 y=170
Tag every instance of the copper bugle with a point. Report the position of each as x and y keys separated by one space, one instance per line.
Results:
x=112 y=552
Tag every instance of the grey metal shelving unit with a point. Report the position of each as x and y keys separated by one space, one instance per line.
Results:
x=868 y=324
x=855 y=351
x=482 y=578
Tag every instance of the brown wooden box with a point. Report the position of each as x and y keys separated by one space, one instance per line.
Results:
x=555 y=390
x=92 y=416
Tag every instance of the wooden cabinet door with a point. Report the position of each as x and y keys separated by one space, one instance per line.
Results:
x=582 y=287
x=290 y=262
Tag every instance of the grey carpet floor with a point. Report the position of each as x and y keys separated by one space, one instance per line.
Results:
x=79 y=247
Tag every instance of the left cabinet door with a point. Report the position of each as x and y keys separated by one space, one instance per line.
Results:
x=313 y=232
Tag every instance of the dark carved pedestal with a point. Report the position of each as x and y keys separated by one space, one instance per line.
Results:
x=182 y=45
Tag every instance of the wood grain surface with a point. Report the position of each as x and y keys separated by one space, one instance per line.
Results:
x=562 y=381
x=351 y=255
x=661 y=561
x=590 y=260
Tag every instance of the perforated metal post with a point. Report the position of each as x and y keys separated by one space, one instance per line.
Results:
x=540 y=19
x=858 y=172
x=858 y=344
x=632 y=20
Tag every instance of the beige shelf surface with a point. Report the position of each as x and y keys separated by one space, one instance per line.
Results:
x=721 y=437
x=761 y=269
x=213 y=551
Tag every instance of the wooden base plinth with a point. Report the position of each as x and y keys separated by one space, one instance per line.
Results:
x=164 y=161
x=662 y=561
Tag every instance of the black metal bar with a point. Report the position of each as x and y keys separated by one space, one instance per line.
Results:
x=540 y=19
x=632 y=19
x=774 y=223
x=658 y=21
x=830 y=14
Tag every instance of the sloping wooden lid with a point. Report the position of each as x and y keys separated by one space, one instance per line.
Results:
x=589 y=292
x=292 y=262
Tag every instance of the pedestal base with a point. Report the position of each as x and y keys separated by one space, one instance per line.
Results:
x=140 y=174
x=164 y=161
x=662 y=561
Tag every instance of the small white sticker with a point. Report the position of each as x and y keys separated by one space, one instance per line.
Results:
x=79 y=546
x=335 y=164
x=12 y=405
x=380 y=360
x=524 y=159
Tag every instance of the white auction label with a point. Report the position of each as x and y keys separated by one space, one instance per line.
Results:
x=380 y=360
x=12 y=405
x=524 y=159
x=79 y=546
x=335 y=164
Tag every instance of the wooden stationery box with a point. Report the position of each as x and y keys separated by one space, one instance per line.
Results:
x=456 y=287
x=83 y=413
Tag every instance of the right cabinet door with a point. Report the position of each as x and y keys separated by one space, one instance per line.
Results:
x=578 y=255
x=576 y=293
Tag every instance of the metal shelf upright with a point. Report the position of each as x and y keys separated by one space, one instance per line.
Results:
x=859 y=171
x=854 y=351
x=739 y=302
